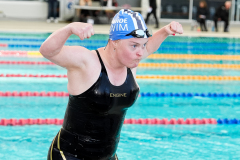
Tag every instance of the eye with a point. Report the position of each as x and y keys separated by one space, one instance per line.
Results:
x=134 y=46
x=144 y=45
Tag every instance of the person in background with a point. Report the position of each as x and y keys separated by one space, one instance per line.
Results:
x=222 y=14
x=152 y=10
x=106 y=3
x=110 y=13
x=52 y=11
x=84 y=14
x=202 y=13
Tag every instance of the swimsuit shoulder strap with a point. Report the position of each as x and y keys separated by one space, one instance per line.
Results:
x=100 y=59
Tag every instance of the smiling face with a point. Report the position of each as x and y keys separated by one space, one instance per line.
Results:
x=131 y=51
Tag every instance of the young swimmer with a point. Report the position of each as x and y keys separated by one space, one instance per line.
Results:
x=101 y=84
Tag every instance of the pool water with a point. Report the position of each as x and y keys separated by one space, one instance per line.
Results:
x=150 y=142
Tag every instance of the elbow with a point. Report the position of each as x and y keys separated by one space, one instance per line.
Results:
x=47 y=51
x=42 y=50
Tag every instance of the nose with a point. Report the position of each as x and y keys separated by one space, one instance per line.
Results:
x=140 y=52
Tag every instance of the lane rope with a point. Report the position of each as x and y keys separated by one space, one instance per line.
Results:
x=189 y=65
x=163 y=77
x=103 y=40
x=3 y=45
x=27 y=62
x=143 y=65
x=164 y=47
x=152 y=56
x=34 y=75
x=148 y=121
x=33 y=94
x=162 y=94
x=142 y=94
x=195 y=56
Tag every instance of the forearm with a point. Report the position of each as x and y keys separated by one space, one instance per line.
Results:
x=156 y=40
x=54 y=43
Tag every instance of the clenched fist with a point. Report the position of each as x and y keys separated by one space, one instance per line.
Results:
x=173 y=28
x=82 y=30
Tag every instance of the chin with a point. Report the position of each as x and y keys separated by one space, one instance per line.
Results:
x=134 y=65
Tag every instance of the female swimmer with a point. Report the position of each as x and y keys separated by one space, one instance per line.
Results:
x=101 y=83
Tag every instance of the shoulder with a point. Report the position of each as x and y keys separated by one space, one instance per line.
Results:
x=78 y=55
x=91 y=59
x=74 y=57
x=85 y=62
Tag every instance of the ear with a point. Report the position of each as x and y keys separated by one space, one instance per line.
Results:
x=115 y=43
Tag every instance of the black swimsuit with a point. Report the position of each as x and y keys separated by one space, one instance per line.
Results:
x=93 y=120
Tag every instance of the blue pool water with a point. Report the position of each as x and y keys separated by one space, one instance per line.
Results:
x=150 y=142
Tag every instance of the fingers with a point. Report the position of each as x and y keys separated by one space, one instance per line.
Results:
x=89 y=31
x=169 y=30
x=173 y=26
x=81 y=35
x=86 y=31
x=179 y=29
x=92 y=31
x=176 y=27
x=89 y=34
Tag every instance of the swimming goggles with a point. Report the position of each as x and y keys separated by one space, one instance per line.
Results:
x=139 y=33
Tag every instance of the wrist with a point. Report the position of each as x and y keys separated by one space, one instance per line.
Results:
x=165 y=31
x=69 y=29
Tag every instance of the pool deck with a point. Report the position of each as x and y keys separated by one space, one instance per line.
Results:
x=10 y=25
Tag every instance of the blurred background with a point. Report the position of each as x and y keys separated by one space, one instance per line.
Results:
x=166 y=9
x=190 y=84
x=184 y=11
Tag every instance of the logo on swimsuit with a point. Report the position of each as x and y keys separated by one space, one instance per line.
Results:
x=118 y=95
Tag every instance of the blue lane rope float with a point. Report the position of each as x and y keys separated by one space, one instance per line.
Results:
x=171 y=94
x=161 y=49
x=215 y=57
x=165 y=43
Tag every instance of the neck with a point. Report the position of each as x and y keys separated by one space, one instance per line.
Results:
x=110 y=58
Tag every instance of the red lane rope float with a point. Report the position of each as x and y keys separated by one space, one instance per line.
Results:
x=30 y=121
x=172 y=121
x=33 y=75
x=14 y=53
x=21 y=53
x=3 y=45
x=27 y=62
x=148 y=121
x=33 y=94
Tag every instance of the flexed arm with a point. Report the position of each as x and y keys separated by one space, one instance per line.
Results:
x=158 y=37
x=66 y=56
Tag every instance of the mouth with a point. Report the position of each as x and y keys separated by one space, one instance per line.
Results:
x=137 y=60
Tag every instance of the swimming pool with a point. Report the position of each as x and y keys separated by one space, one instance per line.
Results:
x=137 y=141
